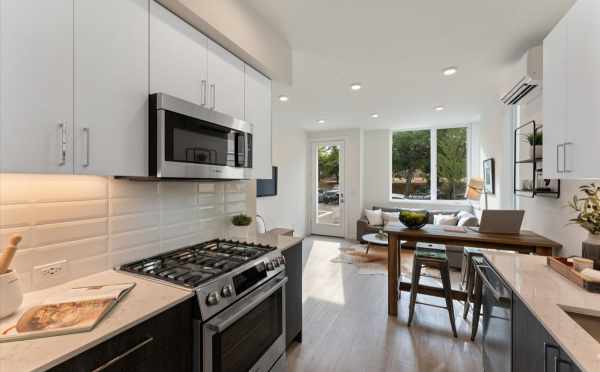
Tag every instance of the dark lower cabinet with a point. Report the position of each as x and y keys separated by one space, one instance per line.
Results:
x=533 y=349
x=293 y=293
x=161 y=343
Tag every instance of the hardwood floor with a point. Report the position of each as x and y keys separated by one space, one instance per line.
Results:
x=346 y=326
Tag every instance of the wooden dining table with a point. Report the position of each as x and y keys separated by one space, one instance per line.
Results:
x=525 y=242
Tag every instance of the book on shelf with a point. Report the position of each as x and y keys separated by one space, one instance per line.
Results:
x=77 y=310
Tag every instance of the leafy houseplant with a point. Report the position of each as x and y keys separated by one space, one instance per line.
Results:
x=588 y=217
x=240 y=224
x=536 y=140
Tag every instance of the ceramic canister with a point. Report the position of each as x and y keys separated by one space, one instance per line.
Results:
x=11 y=296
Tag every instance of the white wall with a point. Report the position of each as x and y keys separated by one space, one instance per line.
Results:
x=353 y=139
x=96 y=223
x=377 y=174
x=548 y=216
x=288 y=208
x=238 y=28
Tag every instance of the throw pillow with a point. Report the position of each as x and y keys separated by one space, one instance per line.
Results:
x=374 y=217
x=467 y=219
x=390 y=217
x=444 y=219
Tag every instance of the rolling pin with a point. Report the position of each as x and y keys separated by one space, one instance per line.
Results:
x=9 y=253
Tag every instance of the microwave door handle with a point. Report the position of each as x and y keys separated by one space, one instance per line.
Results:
x=219 y=326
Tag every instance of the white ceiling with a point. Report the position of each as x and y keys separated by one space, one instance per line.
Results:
x=397 y=50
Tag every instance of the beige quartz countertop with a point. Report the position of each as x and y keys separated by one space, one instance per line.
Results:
x=144 y=301
x=282 y=242
x=543 y=290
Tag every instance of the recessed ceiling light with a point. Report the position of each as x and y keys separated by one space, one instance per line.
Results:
x=321 y=121
x=284 y=98
x=450 y=71
x=439 y=108
x=375 y=116
x=355 y=86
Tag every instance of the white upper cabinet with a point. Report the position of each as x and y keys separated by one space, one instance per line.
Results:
x=572 y=94
x=111 y=87
x=258 y=113
x=178 y=57
x=36 y=90
x=226 y=81
x=583 y=91
x=555 y=100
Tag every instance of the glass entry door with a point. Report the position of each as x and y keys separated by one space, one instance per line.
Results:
x=328 y=212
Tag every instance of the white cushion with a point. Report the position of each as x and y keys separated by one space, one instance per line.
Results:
x=390 y=217
x=444 y=219
x=374 y=217
x=467 y=219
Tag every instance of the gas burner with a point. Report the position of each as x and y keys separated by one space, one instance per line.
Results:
x=192 y=266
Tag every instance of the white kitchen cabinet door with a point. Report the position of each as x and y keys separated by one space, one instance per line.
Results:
x=583 y=91
x=258 y=113
x=111 y=87
x=178 y=57
x=226 y=81
x=36 y=97
x=555 y=100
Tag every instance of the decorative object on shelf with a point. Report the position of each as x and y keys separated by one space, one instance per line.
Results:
x=536 y=141
x=414 y=220
x=240 y=224
x=489 y=176
x=528 y=166
x=588 y=217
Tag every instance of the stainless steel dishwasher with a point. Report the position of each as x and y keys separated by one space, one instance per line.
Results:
x=497 y=331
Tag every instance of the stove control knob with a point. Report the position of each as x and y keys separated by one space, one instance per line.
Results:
x=276 y=262
x=212 y=299
x=281 y=260
x=270 y=266
x=227 y=291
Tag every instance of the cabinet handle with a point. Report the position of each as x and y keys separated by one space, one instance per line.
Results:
x=86 y=133
x=213 y=90
x=546 y=347
x=62 y=143
x=559 y=361
x=565 y=157
x=124 y=355
x=558 y=157
x=204 y=92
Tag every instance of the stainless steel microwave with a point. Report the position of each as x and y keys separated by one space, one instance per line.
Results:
x=192 y=141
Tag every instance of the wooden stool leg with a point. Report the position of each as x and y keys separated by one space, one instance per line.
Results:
x=465 y=270
x=469 y=290
x=445 y=274
x=476 y=306
x=416 y=274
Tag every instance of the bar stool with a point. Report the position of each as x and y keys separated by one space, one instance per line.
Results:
x=432 y=258
x=468 y=276
x=477 y=295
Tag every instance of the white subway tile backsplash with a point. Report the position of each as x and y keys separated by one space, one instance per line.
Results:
x=96 y=223
x=45 y=213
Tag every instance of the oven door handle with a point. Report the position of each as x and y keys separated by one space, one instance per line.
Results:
x=224 y=320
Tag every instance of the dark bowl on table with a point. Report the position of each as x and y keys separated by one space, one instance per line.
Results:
x=414 y=220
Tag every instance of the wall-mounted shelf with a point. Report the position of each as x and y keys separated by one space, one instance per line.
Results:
x=528 y=167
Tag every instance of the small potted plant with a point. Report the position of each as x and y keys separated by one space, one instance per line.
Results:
x=588 y=217
x=240 y=224
x=536 y=141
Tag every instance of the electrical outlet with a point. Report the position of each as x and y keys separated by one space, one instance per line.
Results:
x=50 y=274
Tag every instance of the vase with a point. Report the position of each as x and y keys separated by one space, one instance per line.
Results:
x=239 y=231
x=11 y=296
x=538 y=154
x=590 y=248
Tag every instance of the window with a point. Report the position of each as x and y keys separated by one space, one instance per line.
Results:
x=430 y=164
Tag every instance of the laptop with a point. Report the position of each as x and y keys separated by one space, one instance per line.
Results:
x=500 y=221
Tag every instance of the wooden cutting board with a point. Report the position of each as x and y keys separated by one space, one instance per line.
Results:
x=565 y=268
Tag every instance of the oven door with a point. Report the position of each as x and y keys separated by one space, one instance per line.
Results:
x=249 y=335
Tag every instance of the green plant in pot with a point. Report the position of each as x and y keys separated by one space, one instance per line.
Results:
x=414 y=220
x=240 y=224
x=587 y=208
x=536 y=141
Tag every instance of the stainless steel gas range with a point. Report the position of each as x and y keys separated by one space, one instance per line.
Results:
x=240 y=289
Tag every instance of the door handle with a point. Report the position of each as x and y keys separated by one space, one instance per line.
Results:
x=546 y=347
x=204 y=93
x=559 y=361
x=558 y=157
x=86 y=136
x=565 y=170
x=213 y=90
x=62 y=143
x=124 y=355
